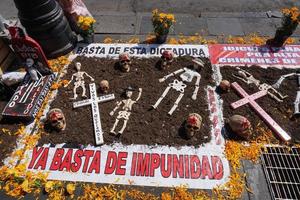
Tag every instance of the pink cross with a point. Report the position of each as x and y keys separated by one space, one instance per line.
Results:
x=251 y=100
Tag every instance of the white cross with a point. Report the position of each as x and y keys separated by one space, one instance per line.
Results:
x=94 y=100
x=267 y=118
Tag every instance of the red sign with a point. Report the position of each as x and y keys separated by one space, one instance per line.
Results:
x=26 y=47
x=238 y=54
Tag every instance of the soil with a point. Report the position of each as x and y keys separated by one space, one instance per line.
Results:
x=281 y=112
x=145 y=125
x=7 y=128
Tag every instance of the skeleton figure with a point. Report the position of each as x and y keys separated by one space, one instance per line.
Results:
x=186 y=76
x=79 y=80
x=124 y=62
x=34 y=74
x=166 y=59
x=249 y=79
x=297 y=100
x=126 y=109
x=192 y=125
x=246 y=77
x=56 y=119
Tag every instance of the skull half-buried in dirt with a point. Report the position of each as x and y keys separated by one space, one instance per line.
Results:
x=192 y=125
x=104 y=86
x=224 y=85
x=124 y=62
x=56 y=119
x=166 y=59
x=241 y=126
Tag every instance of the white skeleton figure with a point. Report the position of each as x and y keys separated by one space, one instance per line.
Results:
x=249 y=79
x=246 y=77
x=186 y=76
x=79 y=80
x=297 y=100
x=126 y=110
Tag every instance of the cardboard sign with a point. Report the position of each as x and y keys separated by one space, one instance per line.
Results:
x=26 y=47
x=28 y=99
x=164 y=166
x=239 y=55
x=140 y=50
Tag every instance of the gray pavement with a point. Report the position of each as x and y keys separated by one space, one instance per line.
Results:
x=211 y=18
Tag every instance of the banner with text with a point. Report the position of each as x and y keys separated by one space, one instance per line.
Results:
x=139 y=50
x=202 y=168
x=238 y=54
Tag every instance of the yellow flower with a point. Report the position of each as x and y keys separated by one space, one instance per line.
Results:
x=71 y=188
x=49 y=186
x=293 y=13
x=25 y=186
x=80 y=19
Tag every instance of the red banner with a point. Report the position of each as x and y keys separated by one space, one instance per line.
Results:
x=238 y=54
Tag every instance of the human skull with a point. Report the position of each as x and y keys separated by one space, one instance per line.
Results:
x=197 y=63
x=224 y=85
x=56 y=119
x=192 y=125
x=78 y=66
x=240 y=125
x=104 y=86
x=166 y=59
x=125 y=62
x=29 y=62
x=129 y=92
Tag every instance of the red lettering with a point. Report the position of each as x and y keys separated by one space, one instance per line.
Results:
x=35 y=154
x=121 y=162
x=166 y=172
x=178 y=166
x=195 y=167
x=88 y=154
x=59 y=153
x=77 y=160
x=43 y=160
x=155 y=162
x=66 y=163
x=133 y=164
x=187 y=166
x=206 y=170
x=217 y=167
x=143 y=164
x=95 y=165
x=110 y=162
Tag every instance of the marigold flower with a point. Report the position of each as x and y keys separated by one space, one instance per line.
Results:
x=25 y=186
x=49 y=186
x=293 y=13
x=71 y=188
x=86 y=23
x=162 y=22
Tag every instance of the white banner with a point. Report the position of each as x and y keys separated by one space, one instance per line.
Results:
x=199 y=168
x=139 y=50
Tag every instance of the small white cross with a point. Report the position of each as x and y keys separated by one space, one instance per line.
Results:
x=94 y=100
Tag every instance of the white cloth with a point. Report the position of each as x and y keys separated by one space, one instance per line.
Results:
x=12 y=78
